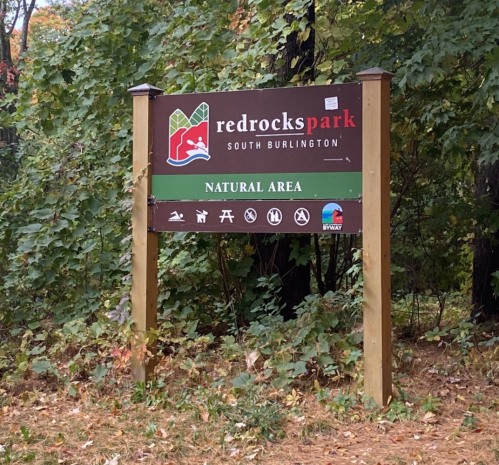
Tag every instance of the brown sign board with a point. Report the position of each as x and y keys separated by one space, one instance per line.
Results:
x=289 y=130
x=293 y=144
x=259 y=216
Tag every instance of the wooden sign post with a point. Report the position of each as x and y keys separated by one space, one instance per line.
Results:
x=308 y=160
x=144 y=294
x=376 y=233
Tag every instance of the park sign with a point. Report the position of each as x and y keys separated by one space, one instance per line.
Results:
x=271 y=160
x=310 y=159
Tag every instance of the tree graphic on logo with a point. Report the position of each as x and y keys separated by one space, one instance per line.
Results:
x=189 y=136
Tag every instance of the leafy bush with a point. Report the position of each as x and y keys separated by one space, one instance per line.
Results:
x=317 y=342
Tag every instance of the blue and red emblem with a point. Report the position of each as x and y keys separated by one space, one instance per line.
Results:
x=189 y=136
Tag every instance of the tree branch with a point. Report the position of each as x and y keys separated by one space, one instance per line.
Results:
x=16 y=16
x=28 y=11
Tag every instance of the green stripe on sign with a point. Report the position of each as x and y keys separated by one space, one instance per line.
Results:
x=267 y=186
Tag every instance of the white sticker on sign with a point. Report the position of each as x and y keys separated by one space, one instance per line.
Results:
x=331 y=103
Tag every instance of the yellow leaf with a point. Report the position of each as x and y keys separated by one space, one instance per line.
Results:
x=303 y=36
x=250 y=250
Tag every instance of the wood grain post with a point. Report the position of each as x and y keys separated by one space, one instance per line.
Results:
x=144 y=296
x=376 y=233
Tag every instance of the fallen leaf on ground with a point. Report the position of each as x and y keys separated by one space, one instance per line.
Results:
x=430 y=418
x=251 y=358
x=113 y=461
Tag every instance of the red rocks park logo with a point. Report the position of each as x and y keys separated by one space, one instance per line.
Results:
x=189 y=136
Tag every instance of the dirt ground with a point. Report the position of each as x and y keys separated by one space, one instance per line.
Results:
x=42 y=427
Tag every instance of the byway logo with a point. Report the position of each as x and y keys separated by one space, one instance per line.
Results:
x=189 y=136
x=332 y=217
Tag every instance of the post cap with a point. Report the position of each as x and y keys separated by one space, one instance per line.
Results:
x=145 y=89
x=375 y=74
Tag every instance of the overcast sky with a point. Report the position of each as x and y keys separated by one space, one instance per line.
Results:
x=41 y=3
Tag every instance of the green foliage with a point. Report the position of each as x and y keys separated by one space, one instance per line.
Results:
x=255 y=412
x=99 y=372
x=65 y=220
x=463 y=335
x=469 y=421
x=341 y=404
x=437 y=333
x=400 y=411
x=444 y=121
x=244 y=381
x=51 y=353
x=430 y=403
x=25 y=432
x=41 y=366
x=311 y=343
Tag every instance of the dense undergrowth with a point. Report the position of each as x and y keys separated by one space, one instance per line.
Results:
x=238 y=392
x=320 y=349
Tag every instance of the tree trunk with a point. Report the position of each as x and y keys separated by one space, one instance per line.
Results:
x=486 y=253
x=275 y=257
x=9 y=78
x=5 y=51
